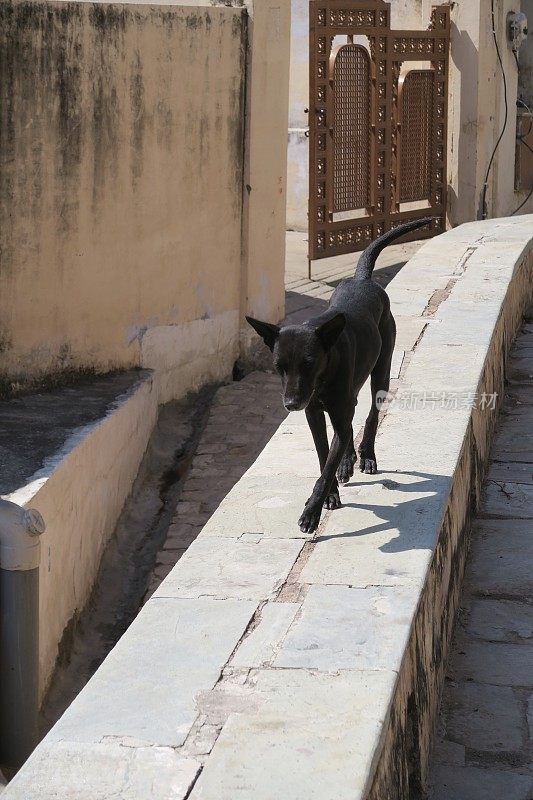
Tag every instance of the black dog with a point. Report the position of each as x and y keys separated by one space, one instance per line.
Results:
x=323 y=365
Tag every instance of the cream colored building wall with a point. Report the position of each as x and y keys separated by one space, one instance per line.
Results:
x=298 y=145
x=121 y=187
x=265 y=193
x=477 y=110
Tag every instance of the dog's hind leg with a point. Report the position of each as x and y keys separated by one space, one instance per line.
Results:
x=347 y=465
x=379 y=382
x=317 y=423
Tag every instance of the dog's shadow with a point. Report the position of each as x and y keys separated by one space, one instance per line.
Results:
x=414 y=522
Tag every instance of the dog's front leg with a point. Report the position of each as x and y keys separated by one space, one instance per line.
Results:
x=317 y=424
x=310 y=518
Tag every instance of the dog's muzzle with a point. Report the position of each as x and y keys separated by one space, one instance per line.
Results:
x=294 y=405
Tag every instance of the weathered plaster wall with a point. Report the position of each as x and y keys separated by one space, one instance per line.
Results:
x=298 y=146
x=120 y=183
x=526 y=57
x=265 y=179
x=477 y=110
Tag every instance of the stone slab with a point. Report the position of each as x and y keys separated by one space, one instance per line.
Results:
x=446 y=752
x=35 y=427
x=408 y=331
x=514 y=438
x=513 y=472
x=312 y=737
x=501 y=557
x=231 y=568
x=498 y=620
x=260 y=646
x=520 y=369
x=145 y=690
x=524 y=456
x=422 y=440
x=101 y=771
x=391 y=557
x=482 y=717
x=342 y=628
x=471 y=783
x=270 y=505
x=396 y=517
x=435 y=366
x=496 y=663
x=511 y=500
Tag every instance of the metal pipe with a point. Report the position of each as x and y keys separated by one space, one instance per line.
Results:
x=20 y=552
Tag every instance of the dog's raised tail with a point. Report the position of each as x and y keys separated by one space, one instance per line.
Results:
x=368 y=257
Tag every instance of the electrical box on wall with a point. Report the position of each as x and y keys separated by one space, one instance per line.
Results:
x=516 y=29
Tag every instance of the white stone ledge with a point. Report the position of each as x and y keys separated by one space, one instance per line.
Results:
x=269 y=665
x=80 y=491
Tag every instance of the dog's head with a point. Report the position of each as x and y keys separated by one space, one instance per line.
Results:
x=300 y=354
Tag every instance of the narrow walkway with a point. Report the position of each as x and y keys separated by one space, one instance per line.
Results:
x=484 y=747
x=244 y=415
x=203 y=445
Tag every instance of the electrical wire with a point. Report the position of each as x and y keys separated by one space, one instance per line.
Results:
x=500 y=137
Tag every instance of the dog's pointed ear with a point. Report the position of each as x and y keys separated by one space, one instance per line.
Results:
x=268 y=332
x=329 y=331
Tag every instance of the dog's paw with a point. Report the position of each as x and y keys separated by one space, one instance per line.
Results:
x=368 y=464
x=308 y=522
x=346 y=468
x=332 y=501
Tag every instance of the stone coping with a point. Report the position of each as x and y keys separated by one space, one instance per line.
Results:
x=271 y=664
x=74 y=456
x=38 y=429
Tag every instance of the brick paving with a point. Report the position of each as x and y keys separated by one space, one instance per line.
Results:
x=484 y=745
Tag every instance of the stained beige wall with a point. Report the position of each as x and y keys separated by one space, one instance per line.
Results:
x=120 y=183
x=264 y=207
x=476 y=110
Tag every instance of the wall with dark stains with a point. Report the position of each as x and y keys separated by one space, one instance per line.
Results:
x=121 y=159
